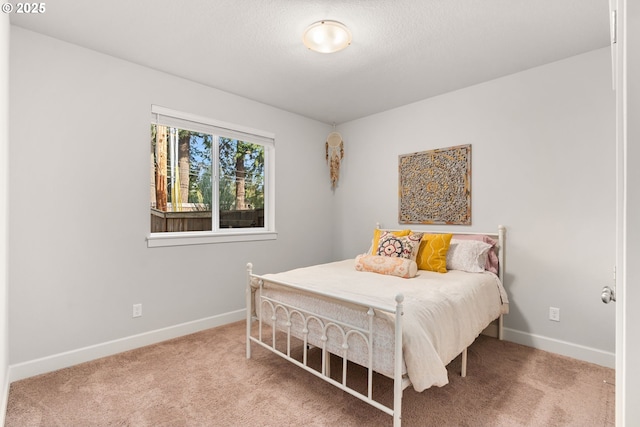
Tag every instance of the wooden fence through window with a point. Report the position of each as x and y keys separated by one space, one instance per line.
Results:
x=201 y=220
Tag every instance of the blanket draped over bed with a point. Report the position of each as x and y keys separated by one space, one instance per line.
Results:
x=443 y=313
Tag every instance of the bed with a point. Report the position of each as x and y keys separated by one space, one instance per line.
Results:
x=397 y=316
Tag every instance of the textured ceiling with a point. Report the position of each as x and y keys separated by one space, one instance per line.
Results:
x=402 y=51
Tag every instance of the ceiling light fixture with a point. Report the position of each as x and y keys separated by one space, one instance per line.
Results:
x=326 y=36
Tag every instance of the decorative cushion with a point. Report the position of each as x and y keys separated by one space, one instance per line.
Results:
x=493 y=263
x=394 y=266
x=468 y=255
x=432 y=255
x=390 y=245
x=376 y=238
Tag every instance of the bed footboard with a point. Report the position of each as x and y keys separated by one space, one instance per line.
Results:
x=281 y=322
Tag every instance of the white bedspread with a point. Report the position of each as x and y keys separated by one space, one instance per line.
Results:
x=443 y=313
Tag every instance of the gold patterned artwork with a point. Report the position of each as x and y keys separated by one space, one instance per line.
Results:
x=435 y=186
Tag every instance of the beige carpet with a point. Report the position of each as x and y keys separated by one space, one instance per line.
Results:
x=204 y=380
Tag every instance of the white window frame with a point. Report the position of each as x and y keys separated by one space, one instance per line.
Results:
x=182 y=120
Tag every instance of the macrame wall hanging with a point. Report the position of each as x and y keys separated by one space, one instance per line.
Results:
x=334 y=147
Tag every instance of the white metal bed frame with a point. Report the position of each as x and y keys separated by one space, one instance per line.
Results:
x=400 y=381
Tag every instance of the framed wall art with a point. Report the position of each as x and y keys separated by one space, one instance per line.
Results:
x=435 y=186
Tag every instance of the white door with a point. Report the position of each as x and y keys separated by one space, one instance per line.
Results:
x=627 y=82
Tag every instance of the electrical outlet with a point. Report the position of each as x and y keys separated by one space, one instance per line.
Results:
x=137 y=310
x=554 y=314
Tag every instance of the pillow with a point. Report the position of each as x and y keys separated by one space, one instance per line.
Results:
x=493 y=262
x=468 y=255
x=376 y=238
x=394 y=266
x=432 y=254
x=390 y=245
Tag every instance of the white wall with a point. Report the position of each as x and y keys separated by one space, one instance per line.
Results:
x=4 y=199
x=79 y=193
x=543 y=165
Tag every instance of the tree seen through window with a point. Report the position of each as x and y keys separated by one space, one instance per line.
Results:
x=182 y=184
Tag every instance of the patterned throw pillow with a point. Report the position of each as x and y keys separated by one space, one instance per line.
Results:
x=390 y=245
x=393 y=266
x=376 y=238
x=432 y=255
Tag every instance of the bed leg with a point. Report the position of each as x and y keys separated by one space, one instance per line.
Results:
x=248 y=305
x=463 y=372
x=501 y=327
x=398 y=358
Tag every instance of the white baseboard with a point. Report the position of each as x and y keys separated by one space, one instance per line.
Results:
x=63 y=360
x=576 y=351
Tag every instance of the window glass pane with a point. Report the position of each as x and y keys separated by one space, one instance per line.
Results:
x=241 y=185
x=180 y=180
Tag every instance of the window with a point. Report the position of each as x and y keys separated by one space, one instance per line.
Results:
x=210 y=181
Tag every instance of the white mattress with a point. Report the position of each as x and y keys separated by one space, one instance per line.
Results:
x=443 y=313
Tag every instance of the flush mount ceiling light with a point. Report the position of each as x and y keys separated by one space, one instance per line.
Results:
x=326 y=36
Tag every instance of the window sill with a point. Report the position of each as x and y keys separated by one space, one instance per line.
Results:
x=156 y=240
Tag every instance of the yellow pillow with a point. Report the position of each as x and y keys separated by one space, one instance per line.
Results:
x=376 y=238
x=432 y=254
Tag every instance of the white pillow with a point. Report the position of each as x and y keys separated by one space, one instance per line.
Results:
x=467 y=255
